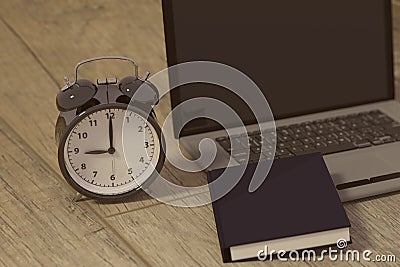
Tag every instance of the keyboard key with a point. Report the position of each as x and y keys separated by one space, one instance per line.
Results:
x=378 y=142
x=319 y=145
x=343 y=140
x=240 y=154
x=256 y=157
x=253 y=142
x=283 y=145
x=284 y=138
x=362 y=144
x=335 y=148
x=332 y=142
x=239 y=143
x=308 y=151
x=390 y=140
x=242 y=160
x=308 y=147
x=287 y=156
x=224 y=142
x=295 y=143
x=393 y=131
x=310 y=134
x=281 y=152
x=256 y=149
x=342 y=134
x=307 y=140
x=268 y=154
x=319 y=138
x=296 y=150
x=331 y=136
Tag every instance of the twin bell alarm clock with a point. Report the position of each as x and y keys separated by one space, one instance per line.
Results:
x=109 y=142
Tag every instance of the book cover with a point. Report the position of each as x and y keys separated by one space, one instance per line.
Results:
x=297 y=198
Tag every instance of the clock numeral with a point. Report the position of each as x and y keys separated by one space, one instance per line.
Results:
x=141 y=160
x=76 y=150
x=83 y=166
x=94 y=173
x=112 y=177
x=82 y=135
x=93 y=123
x=110 y=115
x=130 y=171
x=140 y=129
x=146 y=144
x=127 y=119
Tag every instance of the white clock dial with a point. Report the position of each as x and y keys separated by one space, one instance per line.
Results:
x=95 y=157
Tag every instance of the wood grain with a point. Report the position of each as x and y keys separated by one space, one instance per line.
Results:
x=39 y=223
x=41 y=41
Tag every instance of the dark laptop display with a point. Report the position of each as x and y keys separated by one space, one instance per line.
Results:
x=306 y=56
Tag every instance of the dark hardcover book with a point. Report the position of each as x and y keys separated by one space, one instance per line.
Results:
x=297 y=207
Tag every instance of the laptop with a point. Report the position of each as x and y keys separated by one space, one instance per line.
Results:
x=326 y=69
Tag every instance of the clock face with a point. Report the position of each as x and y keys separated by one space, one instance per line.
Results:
x=95 y=156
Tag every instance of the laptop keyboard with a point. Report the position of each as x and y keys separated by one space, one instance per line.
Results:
x=326 y=136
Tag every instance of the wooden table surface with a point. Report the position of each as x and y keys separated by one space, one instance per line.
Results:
x=41 y=41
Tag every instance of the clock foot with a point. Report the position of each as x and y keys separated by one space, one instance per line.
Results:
x=77 y=197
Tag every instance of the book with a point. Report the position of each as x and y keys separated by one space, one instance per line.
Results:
x=297 y=207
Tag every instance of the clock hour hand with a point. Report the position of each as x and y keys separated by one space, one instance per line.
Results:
x=96 y=152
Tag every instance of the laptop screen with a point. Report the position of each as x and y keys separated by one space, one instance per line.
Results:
x=306 y=56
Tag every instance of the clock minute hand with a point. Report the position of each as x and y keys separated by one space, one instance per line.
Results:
x=96 y=152
x=111 y=133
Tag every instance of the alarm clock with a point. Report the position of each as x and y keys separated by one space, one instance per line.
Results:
x=93 y=118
